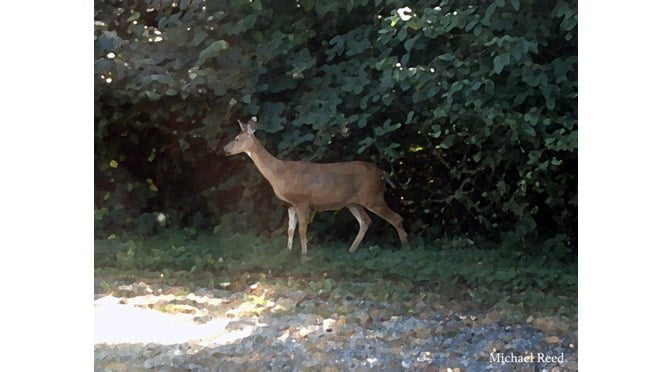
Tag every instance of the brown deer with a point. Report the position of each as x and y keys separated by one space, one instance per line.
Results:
x=331 y=186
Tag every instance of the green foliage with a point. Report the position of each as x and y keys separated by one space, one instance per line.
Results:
x=470 y=106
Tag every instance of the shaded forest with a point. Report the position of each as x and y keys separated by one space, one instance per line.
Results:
x=469 y=106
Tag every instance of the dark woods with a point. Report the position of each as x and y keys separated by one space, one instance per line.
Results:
x=471 y=107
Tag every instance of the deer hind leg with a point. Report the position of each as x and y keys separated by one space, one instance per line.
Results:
x=381 y=209
x=291 y=211
x=303 y=211
x=364 y=222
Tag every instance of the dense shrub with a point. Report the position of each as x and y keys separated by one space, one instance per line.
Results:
x=471 y=106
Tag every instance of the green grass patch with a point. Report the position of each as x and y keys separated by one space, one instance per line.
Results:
x=454 y=270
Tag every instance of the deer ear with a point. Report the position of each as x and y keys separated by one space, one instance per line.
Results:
x=252 y=125
x=242 y=126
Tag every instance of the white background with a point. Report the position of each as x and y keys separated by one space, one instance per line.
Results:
x=46 y=185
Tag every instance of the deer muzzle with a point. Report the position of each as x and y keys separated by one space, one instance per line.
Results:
x=227 y=150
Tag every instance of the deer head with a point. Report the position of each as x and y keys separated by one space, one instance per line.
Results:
x=244 y=140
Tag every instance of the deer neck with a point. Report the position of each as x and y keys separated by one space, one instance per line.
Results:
x=267 y=164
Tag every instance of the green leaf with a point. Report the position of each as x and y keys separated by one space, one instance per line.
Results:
x=408 y=44
x=199 y=37
x=529 y=130
x=386 y=128
x=447 y=57
x=395 y=20
x=249 y=21
x=211 y=51
x=409 y=117
x=256 y=5
x=134 y=16
x=501 y=61
x=365 y=144
x=489 y=12
x=531 y=118
x=516 y=4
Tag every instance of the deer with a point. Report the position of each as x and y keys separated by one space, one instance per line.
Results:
x=304 y=186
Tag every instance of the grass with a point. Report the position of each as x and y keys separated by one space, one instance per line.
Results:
x=455 y=270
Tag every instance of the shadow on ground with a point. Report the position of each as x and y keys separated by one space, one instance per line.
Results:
x=266 y=326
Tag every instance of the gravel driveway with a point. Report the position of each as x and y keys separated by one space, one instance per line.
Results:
x=140 y=326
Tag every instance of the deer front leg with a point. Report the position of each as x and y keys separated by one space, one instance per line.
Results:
x=303 y=212
x=364 y=222
x=291 y=227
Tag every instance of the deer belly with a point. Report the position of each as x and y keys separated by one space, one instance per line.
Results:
x=318 y=198
x=328 y=207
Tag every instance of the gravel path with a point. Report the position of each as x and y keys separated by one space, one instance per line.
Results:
x=140 y=326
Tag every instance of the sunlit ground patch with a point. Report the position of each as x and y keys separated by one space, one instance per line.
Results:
x=117 y=323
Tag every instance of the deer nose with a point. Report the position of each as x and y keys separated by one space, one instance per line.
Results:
x=228 y=152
